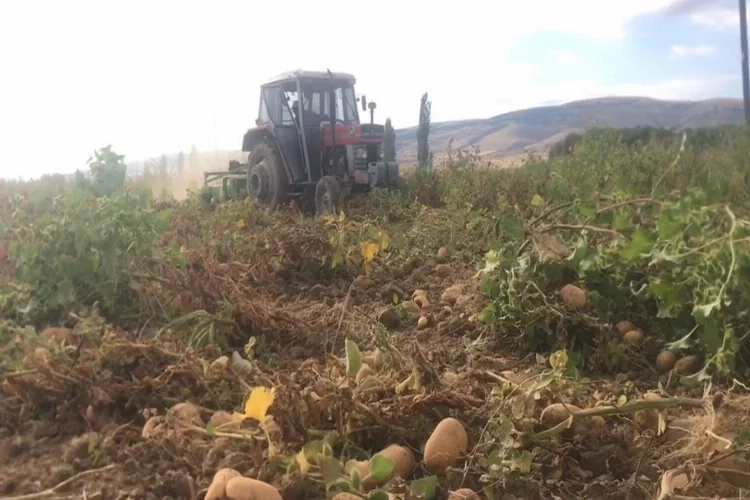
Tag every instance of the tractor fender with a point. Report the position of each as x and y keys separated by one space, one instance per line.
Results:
x=259 y=135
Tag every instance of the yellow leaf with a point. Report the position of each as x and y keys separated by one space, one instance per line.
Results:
x=304 y=465
x=258 y=402
x=369 y=250
x=238 y=417
x=536 y=200
x=385 y=241
x=240 y=223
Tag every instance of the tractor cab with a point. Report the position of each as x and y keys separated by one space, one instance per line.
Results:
x=308 y=123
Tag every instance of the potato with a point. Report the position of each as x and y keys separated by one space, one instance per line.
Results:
x=364 y=372
x=423 y=322
x=346 y=496
x=443 y=270
x=442 y=254
x=573 y=297
x=665 y=361
x=402 y=457
x=446 y=444
x=421 y=301
x=374 y=360
x=218 y=487
x=185 y=414
x=58 y=334
x=687 y=365
x=153 y=427
x=363 y=466
x=557 y=413
x=463 y=494
x=418 y=293
x=244 y=488
x=451 y=294
x=625 y=326
x=634 y=337
x=220 y=418
x=649 y=419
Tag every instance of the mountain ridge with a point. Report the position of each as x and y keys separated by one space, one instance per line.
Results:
x=516 y=132
x=537 y=128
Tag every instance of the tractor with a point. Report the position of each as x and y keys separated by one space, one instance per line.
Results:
x=308 y=144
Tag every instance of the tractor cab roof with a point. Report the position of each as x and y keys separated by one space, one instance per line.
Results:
x=312 y=75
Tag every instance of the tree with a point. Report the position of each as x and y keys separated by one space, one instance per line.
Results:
x=423 y=133
x=389 y=142
x=107 y=173
x=180 y=163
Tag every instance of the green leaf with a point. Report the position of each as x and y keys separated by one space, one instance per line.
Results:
x=641 y=243
x=378 y=495
x=210 y=431
x=536 y=200
x=513 y=228
x=353 y=358
x=425 y=488
x=330 y=469
x=587 y=209
x=381 y=468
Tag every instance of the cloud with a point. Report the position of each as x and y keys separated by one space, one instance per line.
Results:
x=720 y=18
x=688 y=51
x=563 y=57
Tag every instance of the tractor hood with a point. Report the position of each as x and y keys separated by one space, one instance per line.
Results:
x=354 y=134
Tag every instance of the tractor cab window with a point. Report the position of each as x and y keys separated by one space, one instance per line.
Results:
x=346 y=105
x=292 y=107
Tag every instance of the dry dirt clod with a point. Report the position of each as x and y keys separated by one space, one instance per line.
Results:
x=244 y=488
x=443 y=270
x=687 y=365
x=463 y=494
x=389 y=317
x=665 y=361
x=363 y=283
x=391 y=290
x=217 y=489
x=58 y=334
x=442 y=254
x=573 y=297
x=634 y=337
x=185 y=414
x=625 y=326
x=446 y=444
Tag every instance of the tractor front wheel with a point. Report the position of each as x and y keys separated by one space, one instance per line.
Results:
x=327 y=196
x=266 y=179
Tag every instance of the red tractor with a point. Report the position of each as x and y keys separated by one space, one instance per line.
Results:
x=309 y=144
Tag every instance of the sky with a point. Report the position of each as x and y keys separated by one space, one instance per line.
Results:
x=160 y=76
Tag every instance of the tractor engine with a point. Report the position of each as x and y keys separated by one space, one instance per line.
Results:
x=356 y=154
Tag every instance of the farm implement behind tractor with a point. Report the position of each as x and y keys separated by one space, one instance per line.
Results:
x=308 y=144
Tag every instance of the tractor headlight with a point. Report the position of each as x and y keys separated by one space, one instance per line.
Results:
x=360 y=153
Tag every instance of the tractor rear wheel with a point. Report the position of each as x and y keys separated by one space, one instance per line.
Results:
x=327 y=196
x=266 y=178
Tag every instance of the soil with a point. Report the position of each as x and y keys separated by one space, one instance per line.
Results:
x=71 y=421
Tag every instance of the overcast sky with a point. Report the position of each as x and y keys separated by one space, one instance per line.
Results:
x=158 y=76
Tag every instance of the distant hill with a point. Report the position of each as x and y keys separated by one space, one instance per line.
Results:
x=512 y=134
x=537 y=129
